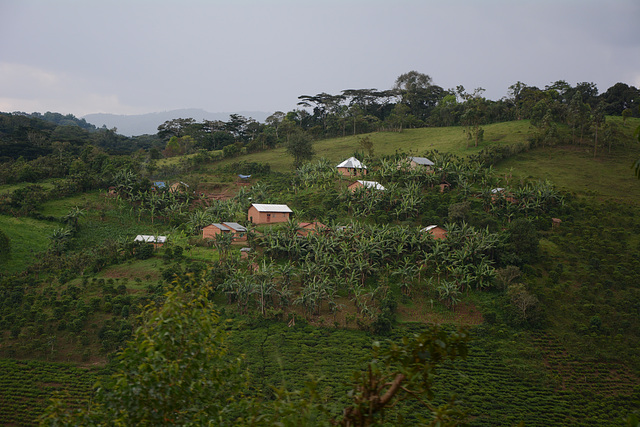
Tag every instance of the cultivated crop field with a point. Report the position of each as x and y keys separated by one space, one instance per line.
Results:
x=26 y=387
x=517 y=377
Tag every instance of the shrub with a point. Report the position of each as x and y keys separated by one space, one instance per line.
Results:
x=5 y=246
x=144 y=251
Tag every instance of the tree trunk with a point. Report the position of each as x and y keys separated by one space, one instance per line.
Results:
x=595 y=145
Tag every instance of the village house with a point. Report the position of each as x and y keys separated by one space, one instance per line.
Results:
x=179 y=187
x=366 y=184
x=423 y=162
x=236 y=230
x=352 y=167
x=244 y=253
x=306 y=228
x=260 y=213
x=157 y=241
x=438 y=233
x=496 y=193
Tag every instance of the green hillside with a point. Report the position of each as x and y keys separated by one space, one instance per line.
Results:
x=552 y=310
x=449 y=139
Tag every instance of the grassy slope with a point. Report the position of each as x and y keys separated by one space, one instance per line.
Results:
x=27 y=237
x=10 y=188
x=574 y=169
x=451 y=139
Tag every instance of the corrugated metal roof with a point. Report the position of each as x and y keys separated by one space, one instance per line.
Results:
x=353 y=163
x=421 y=161
x=429 y=228
x=220 y=226
x=261 y=207
x=150 y=239
x=235 y=226
x=372 y=184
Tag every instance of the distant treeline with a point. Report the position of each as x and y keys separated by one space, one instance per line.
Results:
x=414 y=101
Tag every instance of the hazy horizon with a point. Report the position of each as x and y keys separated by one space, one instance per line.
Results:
x=115 y=57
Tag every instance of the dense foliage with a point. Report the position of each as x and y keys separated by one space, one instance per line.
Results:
x=551 y=305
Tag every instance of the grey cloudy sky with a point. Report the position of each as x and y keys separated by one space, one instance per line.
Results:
x=133 y=57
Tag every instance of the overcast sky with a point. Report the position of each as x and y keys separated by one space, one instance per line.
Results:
x=134 y=57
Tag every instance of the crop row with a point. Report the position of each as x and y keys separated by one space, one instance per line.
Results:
x=27 y=386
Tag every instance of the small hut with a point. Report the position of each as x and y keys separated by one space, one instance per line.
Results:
x=180 y=187
x=157 y=241
x=238 y=231
x=438 y=233
x=306 y=228
x=352 y=167
x=423 y=162
x=366 y=184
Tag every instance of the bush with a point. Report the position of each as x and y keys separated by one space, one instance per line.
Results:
x=5 y=246
x=523 y=241
x=144 y=251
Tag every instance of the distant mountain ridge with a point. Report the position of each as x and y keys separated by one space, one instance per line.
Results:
x=141 y=124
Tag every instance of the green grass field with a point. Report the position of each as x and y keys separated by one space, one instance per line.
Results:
x=573 y=168
x=416 y=141
x=27 y=237
x=9 y=188
x=60 y=207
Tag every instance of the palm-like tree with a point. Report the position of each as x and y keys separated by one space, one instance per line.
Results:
x=449 y=292
x=262 y=285
x=60 y=239
x=72 y=217
x=198 y=220
x=222 y=242
x=406 y=273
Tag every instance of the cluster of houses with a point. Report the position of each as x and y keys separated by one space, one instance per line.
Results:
x=353 y=167
x=261 y=213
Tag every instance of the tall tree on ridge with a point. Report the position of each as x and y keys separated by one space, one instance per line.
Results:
x=474 y=111
x=300 y=147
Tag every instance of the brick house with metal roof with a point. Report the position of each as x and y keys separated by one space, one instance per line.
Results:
x=260 y=213
x=238 y=231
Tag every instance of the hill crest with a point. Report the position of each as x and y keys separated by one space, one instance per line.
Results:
x=141 y=124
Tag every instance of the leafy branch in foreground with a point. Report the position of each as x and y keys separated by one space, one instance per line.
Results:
x=405 y=371
x=176 y=371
